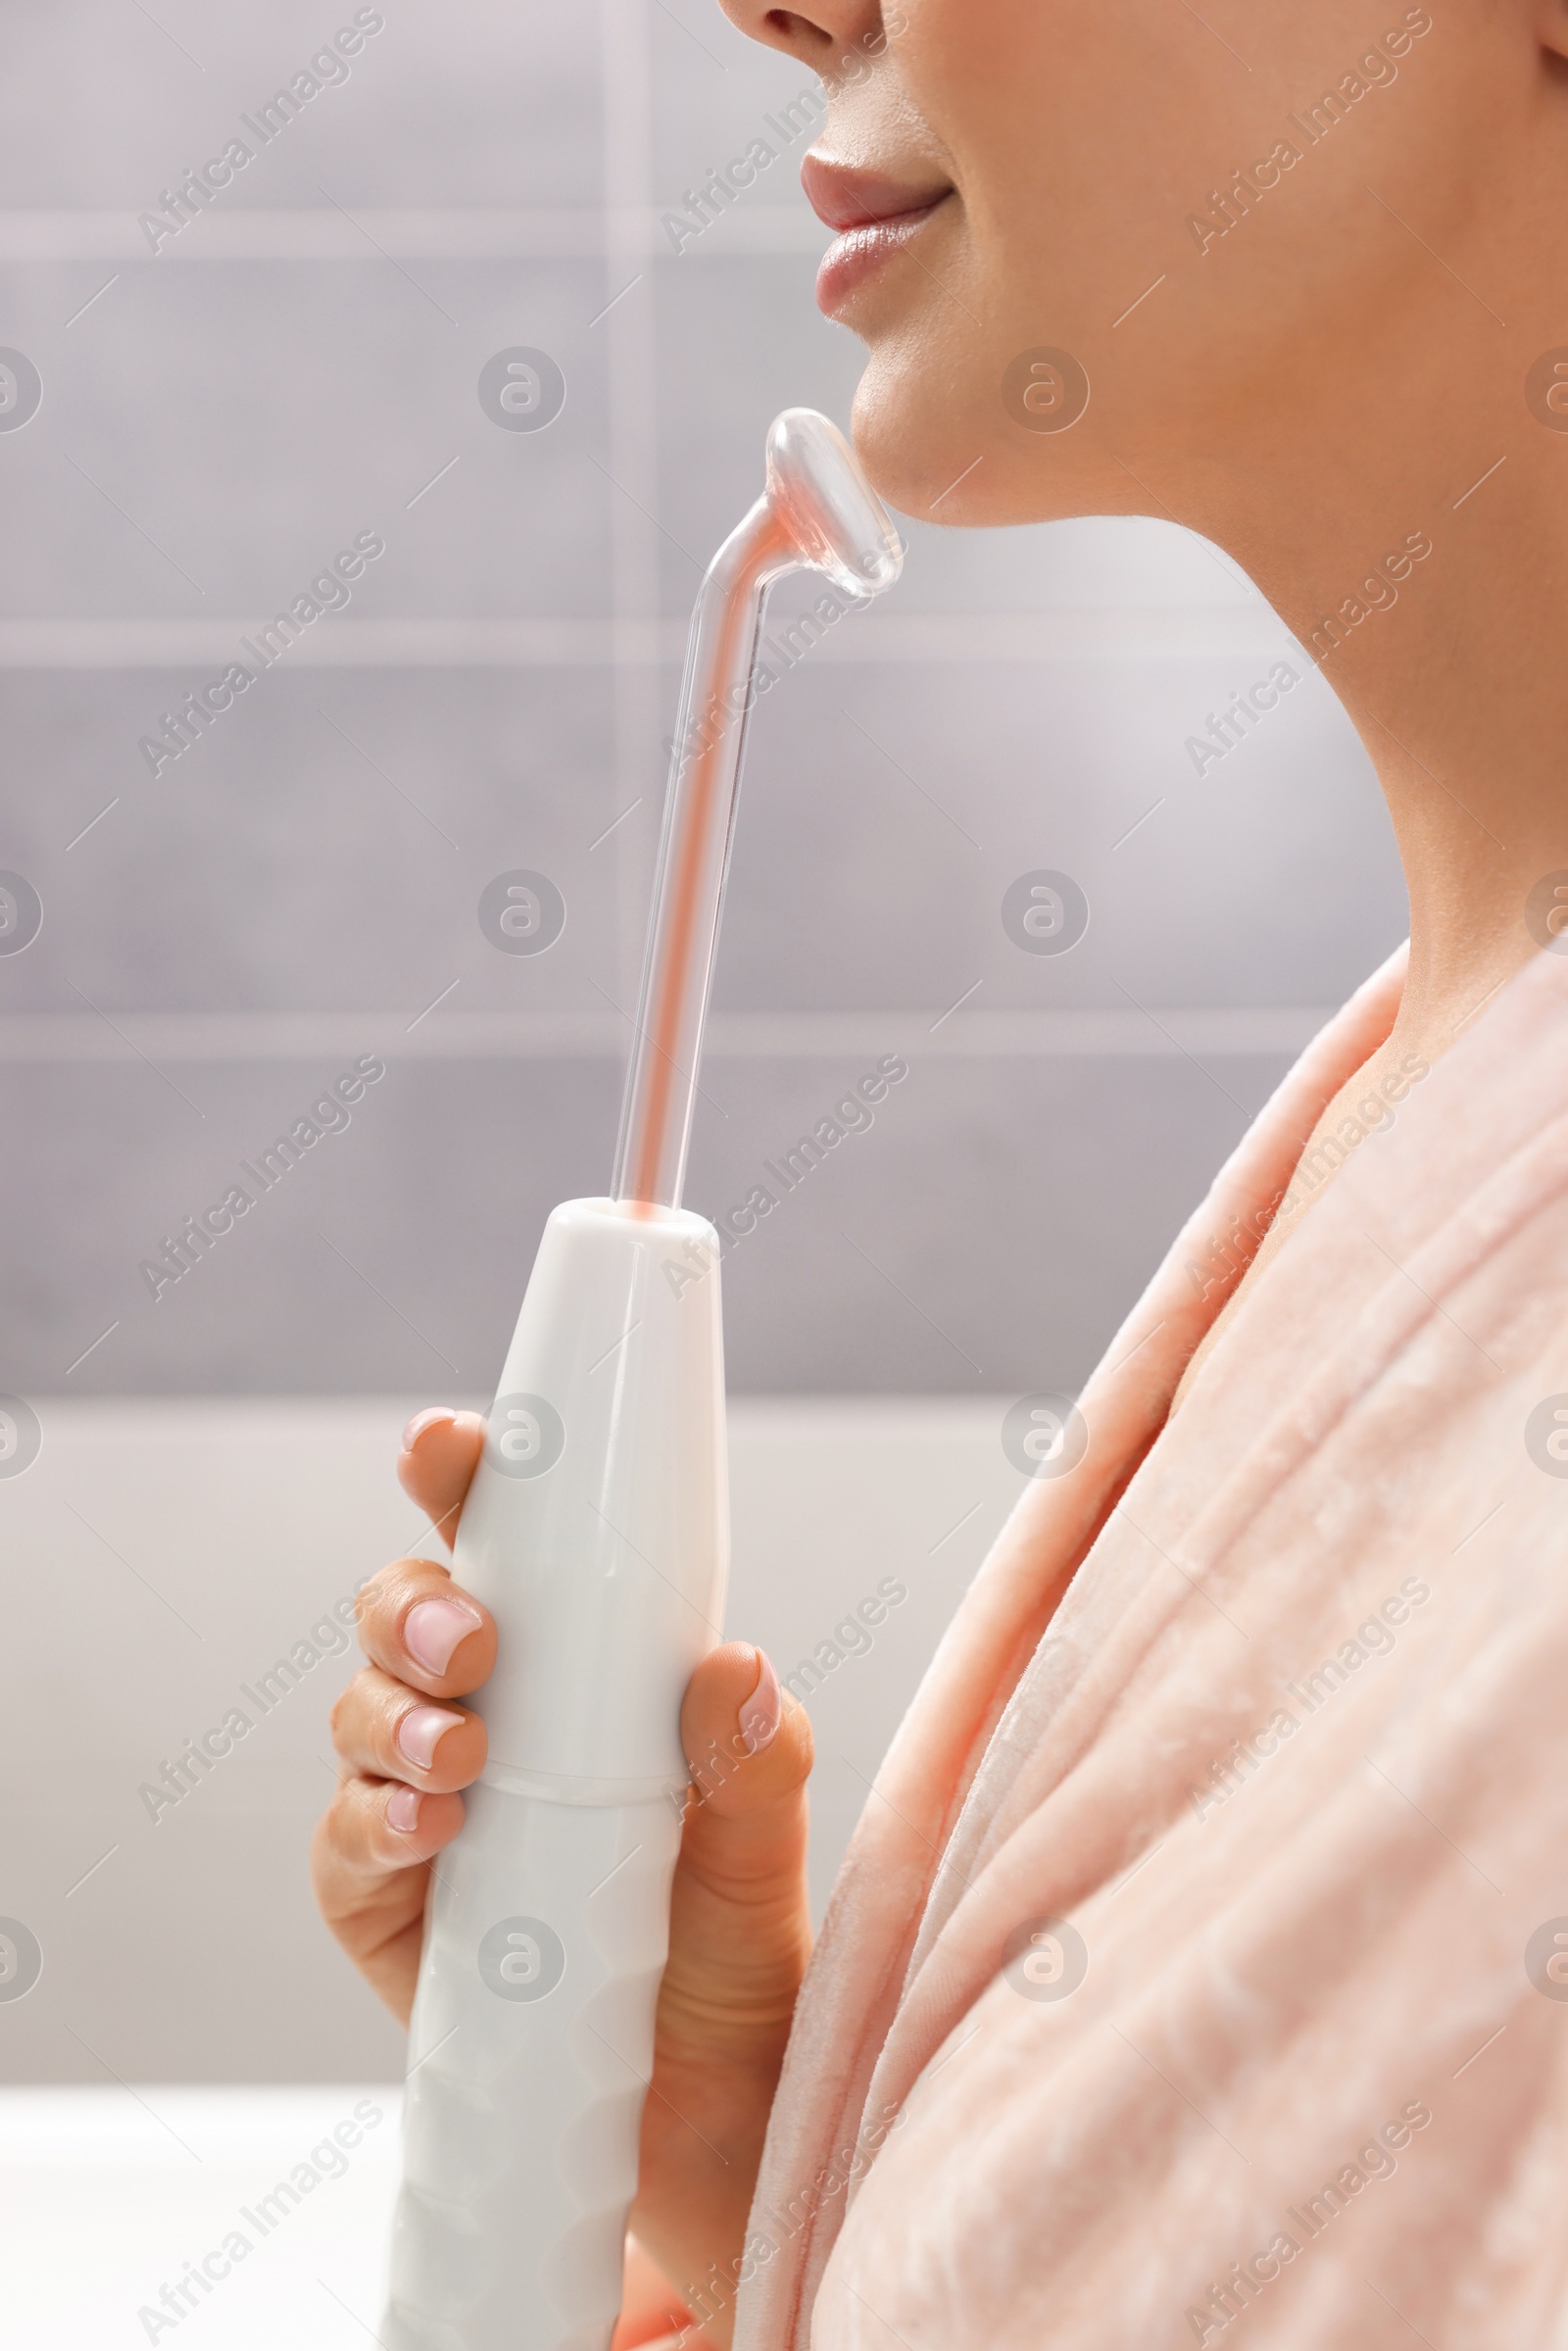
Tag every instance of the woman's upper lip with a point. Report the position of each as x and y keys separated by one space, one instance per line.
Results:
x=844 y=197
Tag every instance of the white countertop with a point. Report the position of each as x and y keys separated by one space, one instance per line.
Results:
x=107 y=2196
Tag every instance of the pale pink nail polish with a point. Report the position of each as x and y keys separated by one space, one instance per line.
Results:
x=764 y=1710
x=403 y=1810
x=422 y=1421
x=420 y=1730
x=432 y=1630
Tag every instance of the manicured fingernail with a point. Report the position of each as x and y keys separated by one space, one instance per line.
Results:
x=764 y=1710
x=421 y=1727
x=432 y=1630
x=422 y=1421
x=403 y=1810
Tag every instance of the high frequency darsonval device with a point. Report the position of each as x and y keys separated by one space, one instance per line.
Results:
x=596 y=1532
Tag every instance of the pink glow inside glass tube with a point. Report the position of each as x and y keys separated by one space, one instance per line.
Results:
x=817 y=514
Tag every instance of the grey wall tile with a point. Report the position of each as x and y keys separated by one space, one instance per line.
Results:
x=888 y=808
x=326 y=845
x=212 y=434
x=988 y=1231
x=397 y=1248
x=164 y=93
x=324 y=848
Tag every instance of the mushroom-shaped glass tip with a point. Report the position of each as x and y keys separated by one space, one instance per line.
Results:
x=834 y=517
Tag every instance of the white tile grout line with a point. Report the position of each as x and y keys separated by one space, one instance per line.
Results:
x=1086 y=1033
x=647 y=640
x=573 y=232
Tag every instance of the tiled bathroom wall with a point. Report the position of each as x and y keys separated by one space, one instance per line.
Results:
x=230 y=399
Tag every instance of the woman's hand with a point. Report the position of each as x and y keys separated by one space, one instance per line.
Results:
x=740 y=1926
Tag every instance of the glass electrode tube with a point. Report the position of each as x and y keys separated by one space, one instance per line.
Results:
x=693 y=860
x=816 y=513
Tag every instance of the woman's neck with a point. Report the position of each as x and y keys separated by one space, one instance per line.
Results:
x=1410 y=521
x=1406 y=510
x=1446 y=659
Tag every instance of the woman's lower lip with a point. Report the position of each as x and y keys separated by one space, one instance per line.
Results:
x=854 y=256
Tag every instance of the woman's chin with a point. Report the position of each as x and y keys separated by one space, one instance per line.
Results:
x=949 y=460
x=904 y=438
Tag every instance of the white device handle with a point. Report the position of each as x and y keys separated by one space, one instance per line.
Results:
x=596 y=1531
x=530 y=2052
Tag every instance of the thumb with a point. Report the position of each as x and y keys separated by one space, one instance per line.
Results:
x=440 y=1454
x=749 y=1745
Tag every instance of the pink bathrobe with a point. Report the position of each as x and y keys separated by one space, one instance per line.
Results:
x=1200 y=1962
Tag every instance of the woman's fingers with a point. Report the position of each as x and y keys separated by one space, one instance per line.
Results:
x=371 y=1864
x=405 y=1752
x=382 y=1727
x=377 y=1829
x=423 y=1629
x=440 y=1454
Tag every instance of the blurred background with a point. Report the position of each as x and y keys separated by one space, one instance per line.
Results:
x=207 y=404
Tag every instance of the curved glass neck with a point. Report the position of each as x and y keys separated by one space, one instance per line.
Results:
x=716 y=695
